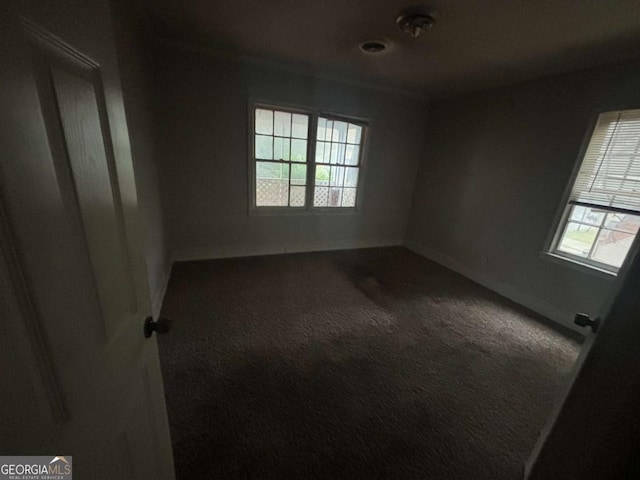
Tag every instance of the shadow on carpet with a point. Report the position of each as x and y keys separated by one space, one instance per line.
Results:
x=360 y=364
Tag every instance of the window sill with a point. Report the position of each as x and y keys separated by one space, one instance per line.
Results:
x=579 y=266
x=286 y=211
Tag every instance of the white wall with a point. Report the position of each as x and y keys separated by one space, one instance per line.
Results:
x=493 y=176
x=203 y=113
x=135 y=78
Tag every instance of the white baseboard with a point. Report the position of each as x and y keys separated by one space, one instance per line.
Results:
x=231 y=251
x=544 y=308
x=158 y=295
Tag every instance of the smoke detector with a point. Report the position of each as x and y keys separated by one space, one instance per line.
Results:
x=414 y=20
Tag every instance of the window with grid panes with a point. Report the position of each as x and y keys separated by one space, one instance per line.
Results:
x=291 y=156
x=337 y=163
x=280 y=151
x=602 y=216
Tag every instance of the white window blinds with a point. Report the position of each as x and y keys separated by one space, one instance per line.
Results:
x=610 y=171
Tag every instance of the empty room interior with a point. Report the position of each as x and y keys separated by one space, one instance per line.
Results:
x=367 y=239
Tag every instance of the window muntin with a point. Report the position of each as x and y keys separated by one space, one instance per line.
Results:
x=289 y=156
x=603 y=213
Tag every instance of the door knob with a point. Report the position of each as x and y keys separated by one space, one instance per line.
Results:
x=162 y=325
x=583 y=320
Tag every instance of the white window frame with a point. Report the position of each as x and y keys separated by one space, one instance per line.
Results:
x=313 y=114
x=551 y=250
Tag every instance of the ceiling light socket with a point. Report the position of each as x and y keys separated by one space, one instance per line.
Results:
x=414 y=20
x=373 y=46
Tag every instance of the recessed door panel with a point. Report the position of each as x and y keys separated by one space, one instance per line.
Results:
x=93 y=179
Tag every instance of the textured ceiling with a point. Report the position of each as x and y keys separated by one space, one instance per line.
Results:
x=475 y=44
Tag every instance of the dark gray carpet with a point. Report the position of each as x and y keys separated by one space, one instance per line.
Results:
x=362 y=364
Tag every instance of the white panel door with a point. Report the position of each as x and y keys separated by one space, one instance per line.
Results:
x=79 y=378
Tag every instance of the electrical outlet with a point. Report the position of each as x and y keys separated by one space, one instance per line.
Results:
x=483 y=260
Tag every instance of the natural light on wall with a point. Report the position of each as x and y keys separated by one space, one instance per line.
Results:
x=289 y=156
x=602 y=216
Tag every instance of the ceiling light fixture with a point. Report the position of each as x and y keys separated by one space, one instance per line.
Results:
x=373 y=46
x=414 y=20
